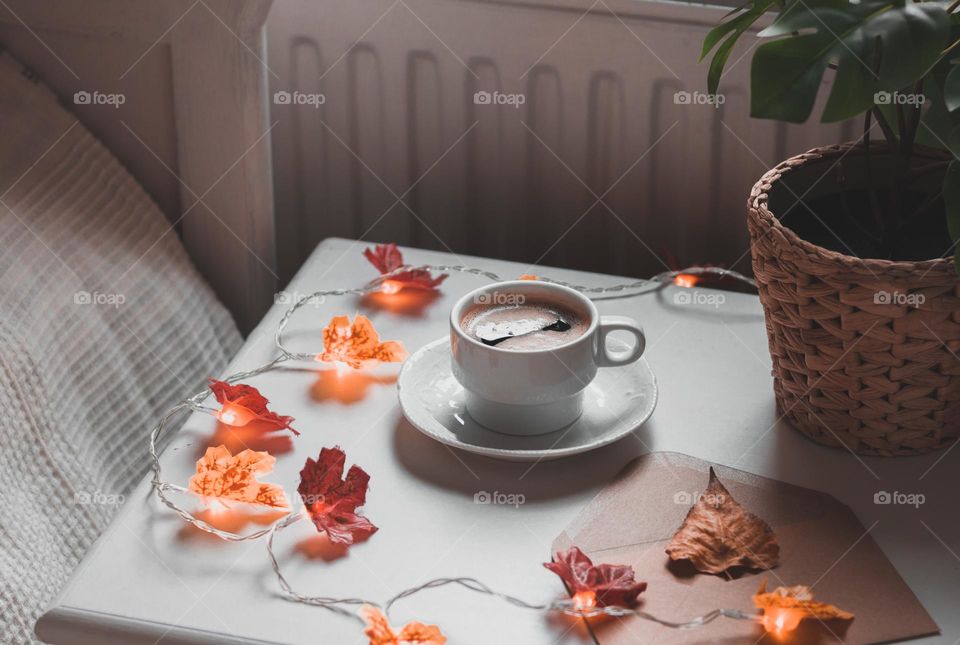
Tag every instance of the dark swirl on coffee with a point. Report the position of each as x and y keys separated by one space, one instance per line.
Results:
x=528 y=326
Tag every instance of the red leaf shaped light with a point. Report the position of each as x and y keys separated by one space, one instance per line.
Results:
x=609 y=584
x=241 y=404
x=331 y=501
x=387 y=258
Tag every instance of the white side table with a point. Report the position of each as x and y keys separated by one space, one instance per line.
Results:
x=149 y=579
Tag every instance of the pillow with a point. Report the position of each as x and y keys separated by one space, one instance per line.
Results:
x=104 y=324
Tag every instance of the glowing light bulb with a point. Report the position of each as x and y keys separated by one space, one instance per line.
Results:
x=780 y=621
x=686 y=280
x=234 y=415
x=216 y=507
x=583 y=600
x=390 y=287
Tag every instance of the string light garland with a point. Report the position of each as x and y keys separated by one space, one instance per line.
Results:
x=387 y=284
x=567 y=606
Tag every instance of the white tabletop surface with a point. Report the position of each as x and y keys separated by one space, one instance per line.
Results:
x=147 y=578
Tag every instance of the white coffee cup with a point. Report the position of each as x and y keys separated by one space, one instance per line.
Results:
x=534 y=391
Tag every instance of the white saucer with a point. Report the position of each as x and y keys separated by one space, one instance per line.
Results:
x=619 y=400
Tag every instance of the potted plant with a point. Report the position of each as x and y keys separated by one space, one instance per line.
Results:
x=855 y=245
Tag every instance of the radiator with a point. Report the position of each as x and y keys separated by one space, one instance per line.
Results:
x=568 y=132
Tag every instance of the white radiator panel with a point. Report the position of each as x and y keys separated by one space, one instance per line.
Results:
x=399 y=120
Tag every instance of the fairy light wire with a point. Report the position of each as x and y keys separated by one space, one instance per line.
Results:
x=195 y=403
x=657 y=282
x=161 y=487
x=371 y=287
x=625 y=289
x=565 y=606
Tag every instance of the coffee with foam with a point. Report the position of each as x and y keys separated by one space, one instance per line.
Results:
x=523 y=327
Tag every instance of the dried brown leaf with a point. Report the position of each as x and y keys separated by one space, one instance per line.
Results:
x=719 y=534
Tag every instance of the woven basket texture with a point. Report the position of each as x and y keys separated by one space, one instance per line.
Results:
x=865 y=352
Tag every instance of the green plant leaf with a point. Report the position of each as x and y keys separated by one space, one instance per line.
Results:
x=719 y=61
x=938 y=119
x=953 y=142
x=937 y=123
x=951 y=89
x=951 y=200
x=716 y=34
x=786 y=73
x=784 y=80
x=729 y=31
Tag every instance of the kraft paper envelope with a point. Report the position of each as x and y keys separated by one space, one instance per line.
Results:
x=821 y=544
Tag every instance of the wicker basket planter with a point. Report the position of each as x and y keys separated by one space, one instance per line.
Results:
x=852 y=366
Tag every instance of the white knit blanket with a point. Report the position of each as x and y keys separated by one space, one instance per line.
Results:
x=104 y=323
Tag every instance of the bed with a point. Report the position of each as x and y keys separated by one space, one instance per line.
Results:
x=135 y=246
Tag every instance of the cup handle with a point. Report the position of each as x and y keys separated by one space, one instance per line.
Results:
x=606 y=358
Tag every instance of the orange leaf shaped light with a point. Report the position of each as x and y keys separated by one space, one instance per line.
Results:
x=225 y=477
x=380 y=632
x=528 y=276
x=784 y=608
x=357 y=343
